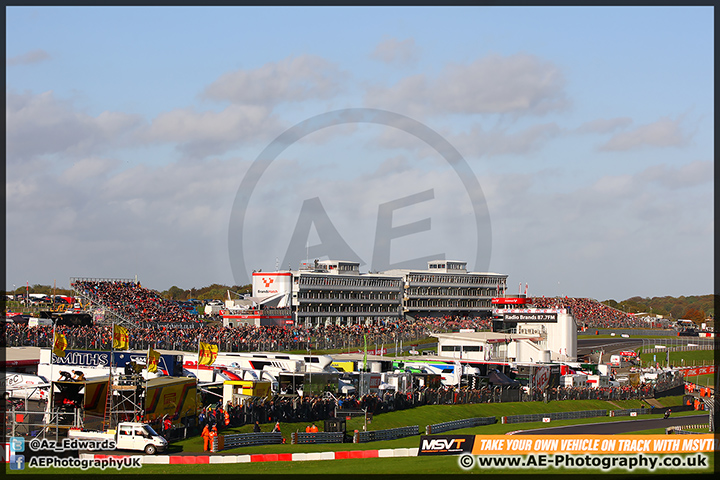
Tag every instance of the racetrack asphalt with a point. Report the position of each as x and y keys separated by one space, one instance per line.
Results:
x=613 y=428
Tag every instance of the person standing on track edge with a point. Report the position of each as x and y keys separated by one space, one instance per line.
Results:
x=206 y=437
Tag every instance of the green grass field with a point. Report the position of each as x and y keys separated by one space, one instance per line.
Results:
x=412 y=465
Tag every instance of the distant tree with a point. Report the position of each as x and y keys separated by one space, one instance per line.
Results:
x=677 y=311
x=173 y=293
x=697 y=316
x=611 y=303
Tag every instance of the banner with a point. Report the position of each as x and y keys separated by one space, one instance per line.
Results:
x=531 y=317
x=579 y=444
x=570 y=444
x=542 y=378
x=207 y=353
x=59 y=345
x=153 y=358
x=446 y=444
x=693 y=371
x=121 y=340
x=365 y=356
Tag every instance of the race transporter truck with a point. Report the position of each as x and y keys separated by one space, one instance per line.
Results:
x=127 y=436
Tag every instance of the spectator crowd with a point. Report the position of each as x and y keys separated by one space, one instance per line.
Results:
x=591 y=313
x=132 y=302
x=314 y=408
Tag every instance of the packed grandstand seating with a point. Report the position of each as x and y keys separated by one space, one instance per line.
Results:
x=591 y=313
x=132 y=302
x=137 y=304
x=142 y=305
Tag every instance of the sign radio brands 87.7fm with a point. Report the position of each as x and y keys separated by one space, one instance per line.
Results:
x=531 y=317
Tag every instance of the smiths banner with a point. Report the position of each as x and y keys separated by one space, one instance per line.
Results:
x=59 y=345
x=121 y=340
x=153 y=358
x=207 y=353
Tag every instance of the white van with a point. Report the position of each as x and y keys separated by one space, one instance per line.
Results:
x=39 y=322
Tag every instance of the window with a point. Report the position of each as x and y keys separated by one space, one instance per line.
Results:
x=451 y=348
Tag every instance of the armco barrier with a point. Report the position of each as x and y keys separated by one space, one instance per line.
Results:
x=254 y=438
x=390 y=434
x=316 y=437
x=458 y=424
x=628 y=412
x=681 y=430
x=538 y=417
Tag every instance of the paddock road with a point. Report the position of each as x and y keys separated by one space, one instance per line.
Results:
x=613 y=428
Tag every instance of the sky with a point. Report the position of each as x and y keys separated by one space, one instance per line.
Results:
x=569 y=148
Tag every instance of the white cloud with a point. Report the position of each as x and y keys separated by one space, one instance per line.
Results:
x=615 y=228
x=89 y=168
x=90 y=220
x=517 y=84
x=478 y=142
x=502 y=142
x=41 y=124
x=663 y=133
x=290 y=80
x=394 y=51
x=603 y=125
x=28 y=58
x=689 y=175
x=202 y=133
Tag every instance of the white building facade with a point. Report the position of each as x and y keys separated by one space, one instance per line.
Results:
x=447 y=288
x=335 y=292
x=539 y=335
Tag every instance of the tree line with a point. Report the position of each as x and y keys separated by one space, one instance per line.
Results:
x=694 y=307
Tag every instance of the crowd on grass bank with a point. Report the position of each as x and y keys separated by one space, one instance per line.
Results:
x=313 y=408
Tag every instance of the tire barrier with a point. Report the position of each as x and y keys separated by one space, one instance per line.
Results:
x=458 y=424
x=390 y=434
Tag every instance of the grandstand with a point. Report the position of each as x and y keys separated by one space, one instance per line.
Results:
x=126 y=302
x=591 y=313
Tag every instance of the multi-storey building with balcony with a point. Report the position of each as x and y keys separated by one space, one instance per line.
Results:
x=447 y=288
x=335 y=292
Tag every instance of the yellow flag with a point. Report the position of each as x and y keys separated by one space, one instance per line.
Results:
x=59 y=345
x=208 y=353
x=153 y=358
x=121 y=340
